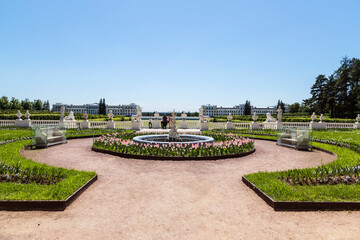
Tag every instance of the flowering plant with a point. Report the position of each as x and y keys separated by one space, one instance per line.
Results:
x=234 y=145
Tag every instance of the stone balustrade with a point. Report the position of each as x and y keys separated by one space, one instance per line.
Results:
x=203 y=124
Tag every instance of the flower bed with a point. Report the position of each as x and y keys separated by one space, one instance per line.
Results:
x=120 y=143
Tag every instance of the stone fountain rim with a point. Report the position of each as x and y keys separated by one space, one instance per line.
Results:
x=202 y=139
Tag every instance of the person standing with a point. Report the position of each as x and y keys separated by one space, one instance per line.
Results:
x=150 y=122
x=164 y=122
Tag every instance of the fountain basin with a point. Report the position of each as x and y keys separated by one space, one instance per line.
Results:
x=164 y=139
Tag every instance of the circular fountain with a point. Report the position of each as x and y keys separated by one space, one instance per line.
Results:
x=166 y=139
x=173 y=136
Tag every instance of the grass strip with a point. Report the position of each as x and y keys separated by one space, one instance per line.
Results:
x=270 y=183
x=9 y=153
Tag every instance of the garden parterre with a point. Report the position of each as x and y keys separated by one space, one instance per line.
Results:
x=121 y=143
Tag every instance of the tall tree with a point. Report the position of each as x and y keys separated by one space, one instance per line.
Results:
x=14 y=103
x=330 y=93
x=100 y=106
x=318 y=98
x=26 y=104
x=4 y=103
x=37 y=105
x=294 y=108
x=104 y=107
x=281 y=104
x=342 y=85
x=247 y=108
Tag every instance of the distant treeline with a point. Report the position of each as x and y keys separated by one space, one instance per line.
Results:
x=37 y=104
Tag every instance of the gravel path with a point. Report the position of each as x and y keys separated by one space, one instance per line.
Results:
x=143 y=199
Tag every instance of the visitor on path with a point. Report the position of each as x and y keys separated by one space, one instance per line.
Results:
x=164 y=122
x=150 y=123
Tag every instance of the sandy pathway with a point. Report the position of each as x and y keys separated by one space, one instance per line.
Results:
x=142 y=199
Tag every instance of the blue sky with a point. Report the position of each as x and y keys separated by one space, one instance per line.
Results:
x=172 y=54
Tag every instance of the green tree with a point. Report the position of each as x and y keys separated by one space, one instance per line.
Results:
x=26 y=104
x=4 y=103
x=37 y=105
x=281 y=104
x=247 y=108
x=15 y=104
x=294 y=108
x=104 y=107
x=318 y=98
x=330 y=93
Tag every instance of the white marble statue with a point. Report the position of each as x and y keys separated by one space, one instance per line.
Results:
x=70 y=117
x=173 y=134
x=255 y=117
x=229 y=117
x=269 y=118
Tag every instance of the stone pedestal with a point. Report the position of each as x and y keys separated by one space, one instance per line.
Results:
x=22 y=123
x=278 y=125
x=136 y=125
x=204 y=126
x=111 y=124
x=313 y=125
x=321 y=125
x=254 y=126
x=85 y=124
x=156 y=124
x=229 y=126
x=184 y=125
x=357 y=125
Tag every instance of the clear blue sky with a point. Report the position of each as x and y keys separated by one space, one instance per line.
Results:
x=172 y=54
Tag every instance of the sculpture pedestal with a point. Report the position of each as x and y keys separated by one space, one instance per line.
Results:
x=254 y=126
x=313 y=125
x=22 y=123
x=321 y=125
x=229 y=126
x=357 y=125
x=156 y=124
x=204 y=126
x=111 y=124
x=135 y=125
x=183 y=125
x=85 y=124
x=278 y=125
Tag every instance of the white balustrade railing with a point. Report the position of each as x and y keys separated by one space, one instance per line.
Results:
x=123 y=125
x=242 y=125
x=43 y=123
x=268 y=125
x=295 y=124
x=98 y=124
x=7 y=123
x=191 y=124
x=73 y=124
x=339 y=125
x=216 y=125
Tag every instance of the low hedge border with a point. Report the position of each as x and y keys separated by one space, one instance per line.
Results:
x=164 y=158
x=302 y=206
x=44 y=205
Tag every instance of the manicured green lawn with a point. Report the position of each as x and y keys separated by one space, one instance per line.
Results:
x=271 y=184
x=9 y=154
